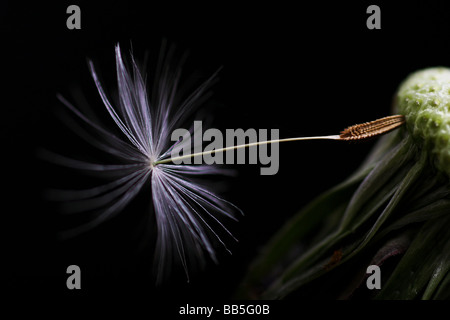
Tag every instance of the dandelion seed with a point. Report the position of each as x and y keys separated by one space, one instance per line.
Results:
x=189 y=217
x=356 y=132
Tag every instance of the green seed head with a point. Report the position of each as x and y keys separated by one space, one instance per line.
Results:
x=424 y=99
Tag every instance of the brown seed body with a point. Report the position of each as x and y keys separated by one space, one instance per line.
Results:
x=372 y=128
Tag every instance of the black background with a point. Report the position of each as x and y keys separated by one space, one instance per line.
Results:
x=306 y=69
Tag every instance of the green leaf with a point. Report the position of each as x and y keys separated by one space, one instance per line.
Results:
x=406 y=183
x=373 y=192
x=383 y=171
x=443 y=291
x=431 y=211
x=296 y=275
x=296 y=229
x=424 y=265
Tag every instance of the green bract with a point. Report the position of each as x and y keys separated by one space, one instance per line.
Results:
x=424 y=99
x=393 y=212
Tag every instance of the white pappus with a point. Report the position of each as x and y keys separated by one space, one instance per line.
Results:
x=189 y=217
